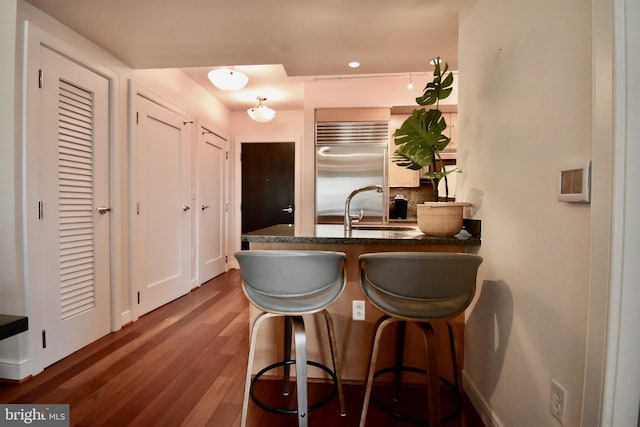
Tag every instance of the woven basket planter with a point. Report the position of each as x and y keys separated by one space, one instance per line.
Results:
x=441 y=218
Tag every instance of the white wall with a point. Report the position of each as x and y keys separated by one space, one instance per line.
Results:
x=524 y=113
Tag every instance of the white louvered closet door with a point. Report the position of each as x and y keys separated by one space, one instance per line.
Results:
x=74 y=184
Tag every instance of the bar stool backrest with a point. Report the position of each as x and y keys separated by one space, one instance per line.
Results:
x=419 y=284
x=292 y=281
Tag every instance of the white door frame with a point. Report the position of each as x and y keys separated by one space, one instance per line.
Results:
x=135 y=90
x=203 y=129
x=237 y=191
x=35 y=38
x=621 y=402
x=611 y=397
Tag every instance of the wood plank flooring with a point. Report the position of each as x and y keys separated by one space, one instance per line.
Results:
x=181 y=365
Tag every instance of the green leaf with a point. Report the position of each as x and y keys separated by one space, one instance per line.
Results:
x=438 y=88
x=441 y=174
x=419 y=138
x=448 y=80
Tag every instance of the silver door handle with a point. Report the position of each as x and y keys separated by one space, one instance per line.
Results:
x=204 y=207
x=103 y=210
x=288 y=210
x=185 y=208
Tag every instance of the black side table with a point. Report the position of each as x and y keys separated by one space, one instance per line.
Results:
x=12 y=325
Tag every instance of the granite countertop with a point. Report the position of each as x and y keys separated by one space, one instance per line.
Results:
x=334 y=233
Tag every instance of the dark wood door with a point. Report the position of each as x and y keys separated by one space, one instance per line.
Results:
x=267 y=184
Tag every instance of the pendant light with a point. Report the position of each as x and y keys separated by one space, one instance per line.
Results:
x=228 y=78
x=261 y=113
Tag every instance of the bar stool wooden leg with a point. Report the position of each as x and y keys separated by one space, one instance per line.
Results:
x=433 y=379
x=401 y=332
x=336 y=360
x=454 y=358
x=382 y=323
x=252 y=352
x=301 y=369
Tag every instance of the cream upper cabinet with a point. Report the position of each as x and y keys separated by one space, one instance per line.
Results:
x=451 y=131
x=399 y=176
x=402 y=177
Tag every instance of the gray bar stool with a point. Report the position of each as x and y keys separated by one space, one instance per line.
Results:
x=416 y=287
x=292 y=284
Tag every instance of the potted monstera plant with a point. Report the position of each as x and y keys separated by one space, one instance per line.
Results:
x=419 y=143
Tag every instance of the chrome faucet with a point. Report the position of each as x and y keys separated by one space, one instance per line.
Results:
x=347 y=215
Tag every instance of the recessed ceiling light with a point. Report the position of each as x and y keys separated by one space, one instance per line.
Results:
x=434 y=60
x=354 y=64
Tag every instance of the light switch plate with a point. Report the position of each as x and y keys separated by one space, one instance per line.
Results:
x=574 y=183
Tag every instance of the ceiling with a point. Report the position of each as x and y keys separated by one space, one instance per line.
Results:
x=279 y=44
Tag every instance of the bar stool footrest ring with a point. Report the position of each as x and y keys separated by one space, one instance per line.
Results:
x=407 y=418
x=313 y=407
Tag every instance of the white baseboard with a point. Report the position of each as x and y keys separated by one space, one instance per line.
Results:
x=489 y=418
x=125 y=318
x=17 y=371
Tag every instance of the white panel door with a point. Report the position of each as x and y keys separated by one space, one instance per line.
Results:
x=160 y=238
x=212 y=160
x=74 y=184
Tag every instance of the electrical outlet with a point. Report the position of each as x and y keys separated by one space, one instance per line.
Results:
x=558 y=405
x=358 y=310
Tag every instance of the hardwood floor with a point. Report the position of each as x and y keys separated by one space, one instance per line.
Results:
x=180 y=365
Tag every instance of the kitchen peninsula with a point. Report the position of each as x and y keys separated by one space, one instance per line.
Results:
x=354 y=336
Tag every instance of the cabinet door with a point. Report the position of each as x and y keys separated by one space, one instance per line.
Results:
x=398 y=176
x=402 y=177
x=452 y=130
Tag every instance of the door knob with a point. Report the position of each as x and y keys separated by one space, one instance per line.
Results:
x=103 y=210
x=288 y=210
x=204 y=207
x=185 y=208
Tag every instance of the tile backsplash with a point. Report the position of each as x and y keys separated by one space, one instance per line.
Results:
x=414 y=195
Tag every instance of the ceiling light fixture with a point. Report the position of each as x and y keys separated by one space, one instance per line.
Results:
x=228 y=78
x=435 y=61
x=410 y=85
x=261 y=113
x=354 y=64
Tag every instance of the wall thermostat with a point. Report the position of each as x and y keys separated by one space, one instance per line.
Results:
x=574 y=183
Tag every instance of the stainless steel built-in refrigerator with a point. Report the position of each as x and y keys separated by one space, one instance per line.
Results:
x=351 y=155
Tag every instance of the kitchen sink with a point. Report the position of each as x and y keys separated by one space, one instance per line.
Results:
x=384 y=227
